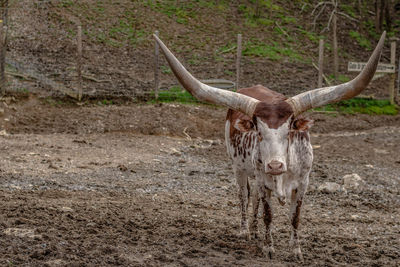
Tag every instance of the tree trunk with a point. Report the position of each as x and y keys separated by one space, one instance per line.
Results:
x=4 y=11
x=360 y=6
x=335 y=44
x=388 y=17
x=378 y=25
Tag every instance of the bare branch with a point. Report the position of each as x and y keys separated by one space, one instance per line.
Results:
x=329 y=22
x=319 y=4
x=317 y=16
x=328 y=82
x=347 y=16
x=284 y=32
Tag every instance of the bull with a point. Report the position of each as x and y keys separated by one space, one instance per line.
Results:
x=267 y=138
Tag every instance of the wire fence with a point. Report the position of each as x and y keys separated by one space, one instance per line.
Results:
x=42 y=46
x=42 y=56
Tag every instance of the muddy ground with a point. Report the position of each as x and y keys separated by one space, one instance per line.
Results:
x=151 y=185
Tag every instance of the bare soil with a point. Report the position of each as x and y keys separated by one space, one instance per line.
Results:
x=151 y=185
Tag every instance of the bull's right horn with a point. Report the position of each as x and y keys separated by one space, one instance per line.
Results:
x=207 y=93
x=323 y=96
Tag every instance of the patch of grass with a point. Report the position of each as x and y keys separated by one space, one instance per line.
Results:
x=166 y=70
x=181 y=13
x=273 y=52
x=54 y=102
x=363 y=106
x=228 y=72
x=312 y=36
x=370 y=26
x=66 y=3
x=105 y=102
x=349 y=10
x=341 y=78
x=228 y=48
x=194 y=60
x=22 y=90
x=288 y=19
x=361 y=40
x=254 y=13
x=174 y=94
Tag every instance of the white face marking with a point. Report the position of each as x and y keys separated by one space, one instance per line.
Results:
x=273 y=145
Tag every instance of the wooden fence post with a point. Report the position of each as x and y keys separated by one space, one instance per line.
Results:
x=320 y=62
x=156 y=67
x=398 y=84
x=335 y=45
x=238 y=57
x=2 y=59
x=392 y=92
x=79 y=62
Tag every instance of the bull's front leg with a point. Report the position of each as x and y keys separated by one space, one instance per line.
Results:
x=295 y=208
x=243 y=193
x=265 y=196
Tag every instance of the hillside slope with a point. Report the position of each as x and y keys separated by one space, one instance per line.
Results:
x=279 y=38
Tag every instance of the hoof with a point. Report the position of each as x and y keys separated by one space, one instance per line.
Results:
x=269 y=252
x=298 y=254
x=254 y=235
x=245 y=234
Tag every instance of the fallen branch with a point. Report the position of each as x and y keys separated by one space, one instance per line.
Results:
x=284 y=32
x=323 y=75
x=347 y=16
x=227 y=50
x=91 y=78
x=19 y=75
x=187 y=135
x=325 y=111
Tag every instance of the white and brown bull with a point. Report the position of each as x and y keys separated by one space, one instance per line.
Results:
x=267 y=138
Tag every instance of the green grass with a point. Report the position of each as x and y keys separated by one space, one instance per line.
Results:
x=352 y=106
x=181 y=14
x=174 y=94
x=273 y=52
x=105 y=102
x=363 y=106
x=166 y=70
x=341 y=78
x=348 y=9
x=361 y=40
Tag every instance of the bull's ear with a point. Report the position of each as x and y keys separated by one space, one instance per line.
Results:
x=244 y=125
x=302 y=124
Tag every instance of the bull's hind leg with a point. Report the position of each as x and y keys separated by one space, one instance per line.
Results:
x=243 y=192
x=254 y=221
x=265 y=196
x=295 y=207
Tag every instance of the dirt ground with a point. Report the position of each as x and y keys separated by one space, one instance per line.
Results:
x=151 y=185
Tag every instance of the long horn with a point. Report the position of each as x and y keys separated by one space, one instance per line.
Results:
x=323 y=96
x=207 y=93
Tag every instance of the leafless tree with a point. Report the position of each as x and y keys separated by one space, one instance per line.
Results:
x=382 y=13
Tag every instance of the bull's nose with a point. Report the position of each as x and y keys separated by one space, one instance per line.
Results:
x=275 y=167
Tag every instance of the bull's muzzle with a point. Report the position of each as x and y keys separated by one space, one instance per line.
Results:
x=275 y=168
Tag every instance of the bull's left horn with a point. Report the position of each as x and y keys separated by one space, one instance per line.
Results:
x=207 y=93
x=323 y=96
